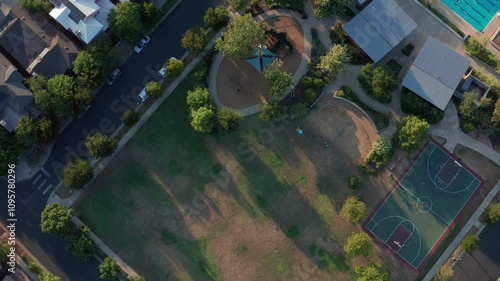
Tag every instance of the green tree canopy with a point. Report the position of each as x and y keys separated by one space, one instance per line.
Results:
x=153 y=89
x=353 y=209
x=495 y=118
x=228 y=119
x=444 y=273
x=130 y=117
x=37 y=6
x=4 y=251
x=150 y=15
x=358 y=244
x=216 y=17
x=56 y=219
x=203 y=119
x=125 y=21
x=492 y=214
x=326 y=8
x=278 y=80
x=92 y=63
x=411 y=132
x=336 y=61
x=271 y=110
x=372 y=272
x=194 y=40
x=378 y=81
x=101 y=146
x=109 y=269
x=381 y=153
x=26 y=131
x=174 y=67
x=198 y=97
x=239 y=39
x=77 y=173
x=136 y=278
x=46 y=130
x=470 y=243
x=468 y=106
x=79 y=243
x=47 y=276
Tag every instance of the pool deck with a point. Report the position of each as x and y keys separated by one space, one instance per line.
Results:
x=489 y=31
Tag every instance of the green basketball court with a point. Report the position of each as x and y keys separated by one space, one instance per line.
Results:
x=423 y=205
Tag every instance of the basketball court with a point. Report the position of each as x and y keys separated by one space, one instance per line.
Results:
x=423 y=205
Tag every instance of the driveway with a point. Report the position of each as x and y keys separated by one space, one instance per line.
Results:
x=104 y=116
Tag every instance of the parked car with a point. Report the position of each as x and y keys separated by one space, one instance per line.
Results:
x=144 y=41
x=163 y=70
x=142 y=96
x=114 y=75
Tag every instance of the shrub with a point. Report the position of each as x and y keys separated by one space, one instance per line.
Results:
x=474 y=47
x=307 y=82
x=174 y=67
x=228 y=119
x=271 y=110
x=310 y=96
x=130 y=117
x=414 y=105
x=34 y=267
x=408 y=49
x=353 y=182
x=298 y=110
x=292 y=231
x=378 y=82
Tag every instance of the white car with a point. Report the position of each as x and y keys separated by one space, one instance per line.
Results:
x=142 y=96
x=163 y=70
x=113 y=76
x=144 y=41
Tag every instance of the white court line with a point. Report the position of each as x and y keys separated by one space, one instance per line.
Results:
x=43 y=182
x=45 y=172
x=47 y=189
x=37 y=178
x=429 y=208
x=394 y=189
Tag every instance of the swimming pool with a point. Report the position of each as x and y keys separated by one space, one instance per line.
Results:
x=477 y=13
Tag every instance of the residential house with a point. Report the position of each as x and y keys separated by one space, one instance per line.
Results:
x=16 y=100
x=436 y=73
x=85 y=18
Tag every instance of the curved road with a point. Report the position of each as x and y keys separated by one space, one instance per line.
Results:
x=104 y=116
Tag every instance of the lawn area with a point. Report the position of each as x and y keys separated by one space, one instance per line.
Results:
x=259 y=203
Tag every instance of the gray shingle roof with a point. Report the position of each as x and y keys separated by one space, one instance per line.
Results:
x=379 y=28
x=436 y=73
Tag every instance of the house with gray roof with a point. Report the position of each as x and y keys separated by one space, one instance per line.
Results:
x=379 y=27
x=436 y=73
x=16 y=100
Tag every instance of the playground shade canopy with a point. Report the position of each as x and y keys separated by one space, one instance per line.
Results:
x=261 y=58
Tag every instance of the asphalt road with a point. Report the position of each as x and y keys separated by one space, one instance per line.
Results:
x=103 y=116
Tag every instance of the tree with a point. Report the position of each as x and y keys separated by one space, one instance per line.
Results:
x=136 y=278
x=194 y=40
x=125 y=21
x=47 y=276
x=495 y=118
x=228 y=118
x=444 y=273
x=150 y=14
x=470 y=243
x=130 y=117
x=381 y=153
x=336 y=61
x=153 y=89
x=92 y=63
x=240 y=37
x=271 y=110
x=79 y=243
x=37 y=6
x=7 y=156
x=468 y=107
x=77 y=173
x=174 y=67
x=411 y=132
x=378 y=82
x=358 y=244
x=4 y=251
x=412 y=104
x=326 y=8
x=56 y=219
x=198 y=97
x=26 y=131
x=353 y=209
x=202 y=119
x=279 y=81
x=216 y=18
x=492 y=214
x=109 y=269
x=372 y=272
x=46 y=130
x=101 y=146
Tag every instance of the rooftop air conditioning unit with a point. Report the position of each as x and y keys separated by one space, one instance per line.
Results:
x=3 y=123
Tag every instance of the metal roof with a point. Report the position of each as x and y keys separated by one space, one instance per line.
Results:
x=436 y=73
x=380 y=27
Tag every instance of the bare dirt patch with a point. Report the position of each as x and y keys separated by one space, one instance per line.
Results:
x=240 y=85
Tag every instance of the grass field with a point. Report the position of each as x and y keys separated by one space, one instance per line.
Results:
x=259 y=203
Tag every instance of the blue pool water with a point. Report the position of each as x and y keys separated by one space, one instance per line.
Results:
x=477 y=13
